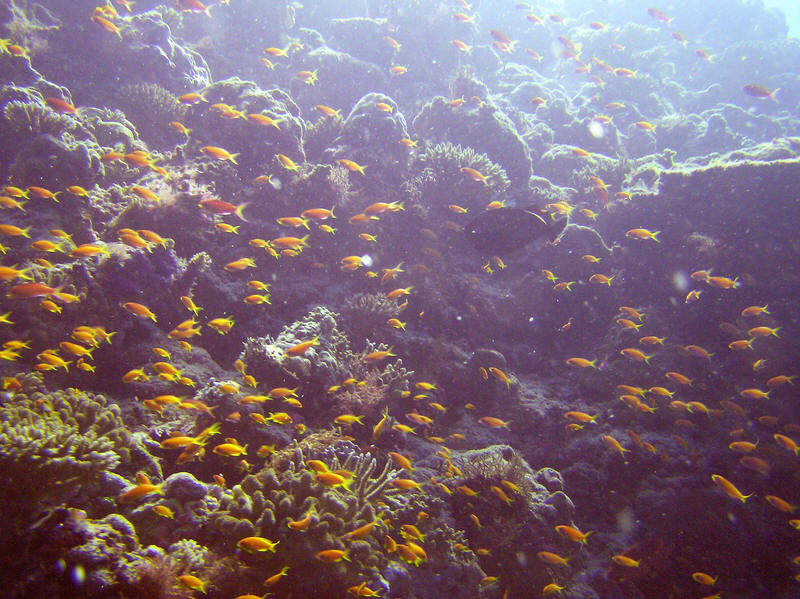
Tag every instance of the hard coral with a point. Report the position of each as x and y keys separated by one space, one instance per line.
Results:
x=51 y=445
x=35 y=119
x=487 y=128
x=364 y=313
x=265 y=503
x=439 y=178
x=151 y=108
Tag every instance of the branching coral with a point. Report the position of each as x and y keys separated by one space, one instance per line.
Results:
x=371 y=483
x=376 y=386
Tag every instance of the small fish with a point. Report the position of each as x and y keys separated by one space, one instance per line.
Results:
x=552 y=558
x=625 y=561
x=222 y=325
x=139 y=310
x=164 y=511
x=729 y=488
x=192 y=582
x=222 y=208
x=760 y=92
x=219 y=153
x=787 y=443
x=475 y=175
x=107 y=25
x=614 y=444
x=302 y=347
x=327 y=110
x=643 y=234
x=257 y=545
x=493 y=422
x=139 y=491
x=582 y=362
x=351 y=165
x=332 y=555
x=573 y=534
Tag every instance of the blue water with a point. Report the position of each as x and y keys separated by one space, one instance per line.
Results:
x=790 y=8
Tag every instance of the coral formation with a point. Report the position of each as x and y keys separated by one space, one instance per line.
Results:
x=486 y=129
x=151 y=108
x=440 y=178
x=266 y=503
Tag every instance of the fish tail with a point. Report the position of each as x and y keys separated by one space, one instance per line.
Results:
x=240 y=210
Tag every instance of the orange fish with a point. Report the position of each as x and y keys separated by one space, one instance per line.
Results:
x=573 y=534
x=780 y=504
x=729 y=488
x=552 y=558
x=759 y=91
x=222 y=208
x=326 y=110
x=614 y=444
x=107 y=25
x=351 y=165
x=60 y=106
x=474 y=175
x=193 y=6
x=139 y=310
x=493 y=422
x=29 y=290
x=643 y=234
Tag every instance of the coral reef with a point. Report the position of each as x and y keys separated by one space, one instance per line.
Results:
x=151 y=108
x=64 y=440
x=265 y=504
x=440 y=178
x=486 y=129
x=364 y=313
x=35 y=118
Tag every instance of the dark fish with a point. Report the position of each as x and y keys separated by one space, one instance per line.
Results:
x=507 y=229
x=759 y=91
